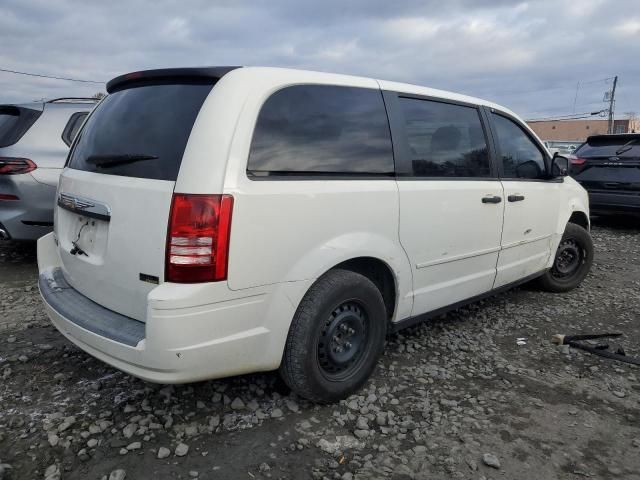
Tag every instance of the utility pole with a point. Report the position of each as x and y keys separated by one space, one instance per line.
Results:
x=612 y=103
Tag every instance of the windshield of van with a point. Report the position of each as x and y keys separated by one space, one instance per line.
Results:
x=140 y=132
x=14 y=123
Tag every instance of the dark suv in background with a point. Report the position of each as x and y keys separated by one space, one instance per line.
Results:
x=34 y=142
x=608 y=167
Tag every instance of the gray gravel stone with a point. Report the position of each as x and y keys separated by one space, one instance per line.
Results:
x=118 y=474
x=163 y=452
x=362 y=423
x=52 y=472
x=181 y=450
x=129 y=430
x=66 y=424
x=491 y=460
x=53 y=439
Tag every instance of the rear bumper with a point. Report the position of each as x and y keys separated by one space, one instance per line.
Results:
x=31 y=216
x=608 y=202
x=182 y=340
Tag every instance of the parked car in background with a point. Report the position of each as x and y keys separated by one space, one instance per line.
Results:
x=34 y=142
x=608 y=167
x=218 y=221
x=561 y=147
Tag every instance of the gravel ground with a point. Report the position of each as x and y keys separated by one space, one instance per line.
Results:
x=455 y=398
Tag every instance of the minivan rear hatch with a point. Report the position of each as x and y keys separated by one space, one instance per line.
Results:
x=115 y=196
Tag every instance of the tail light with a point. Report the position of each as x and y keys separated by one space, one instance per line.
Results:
x=577 y=160
x=198 y=238
x=14 y=166
x=6 y=196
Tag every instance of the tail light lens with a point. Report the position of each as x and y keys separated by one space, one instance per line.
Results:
x=6 y=196
x=14 y=166
x=577 y=160
x=198 y=238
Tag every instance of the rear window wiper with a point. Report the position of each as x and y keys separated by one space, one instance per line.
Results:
x=626 y=147
x=106 y=161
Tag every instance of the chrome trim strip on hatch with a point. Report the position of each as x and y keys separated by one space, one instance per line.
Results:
x=84 y=206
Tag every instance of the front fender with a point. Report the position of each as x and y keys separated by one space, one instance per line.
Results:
x=576 y=199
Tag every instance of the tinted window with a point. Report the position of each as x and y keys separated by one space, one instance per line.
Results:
x=322 y=129
x=14 y=123
x=149 y=121
x=520 y=156
x=73 y=125
x=444 y=140
x=628 y=146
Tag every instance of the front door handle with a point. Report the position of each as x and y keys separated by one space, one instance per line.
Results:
x=491 y=199
x=515 y=198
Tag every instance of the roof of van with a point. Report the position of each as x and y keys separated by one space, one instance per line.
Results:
x=167 y=74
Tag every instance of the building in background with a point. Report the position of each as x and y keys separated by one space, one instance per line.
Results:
x=579 y=130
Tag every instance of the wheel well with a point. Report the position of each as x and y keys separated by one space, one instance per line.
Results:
x=379 y=273
x=579 y=218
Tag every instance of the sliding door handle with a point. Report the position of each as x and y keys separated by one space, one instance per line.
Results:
x=515 y=198
x=491 y=199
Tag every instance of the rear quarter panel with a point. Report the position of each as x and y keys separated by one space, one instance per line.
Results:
x=286 y=230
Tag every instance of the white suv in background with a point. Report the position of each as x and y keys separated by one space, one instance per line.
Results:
x=34 y=143
x=219 y=221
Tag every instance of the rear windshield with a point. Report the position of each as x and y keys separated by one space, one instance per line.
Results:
x=14 y=123
x=608 y=147
x=140 y=132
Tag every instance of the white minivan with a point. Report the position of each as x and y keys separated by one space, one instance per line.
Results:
x=218 y=221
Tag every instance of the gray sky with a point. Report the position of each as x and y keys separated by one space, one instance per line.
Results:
x=528 y=56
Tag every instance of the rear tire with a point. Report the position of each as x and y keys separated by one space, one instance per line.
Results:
x=572 y=261
x=336 y=337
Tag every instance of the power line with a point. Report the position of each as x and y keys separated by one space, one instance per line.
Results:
x=597 y=81
x=563 y=87
x=575 y=116
x=50 y=76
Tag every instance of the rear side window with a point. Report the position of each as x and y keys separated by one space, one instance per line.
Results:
x=322 y=129
x=73 y=125
x=444 y=140
x=14 y=123
x=520 y=156
x=140 y=132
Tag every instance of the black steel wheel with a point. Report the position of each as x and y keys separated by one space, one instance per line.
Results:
x=343 y=340
x=569 y=258
x=572 y=262
x=335 y=338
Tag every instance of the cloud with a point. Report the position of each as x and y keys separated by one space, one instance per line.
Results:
x=528 y=56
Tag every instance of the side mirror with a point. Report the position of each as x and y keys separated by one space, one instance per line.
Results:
x=559 y=165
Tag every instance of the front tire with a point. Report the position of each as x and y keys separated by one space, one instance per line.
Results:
x=335 y=338
x=572 y=262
